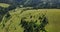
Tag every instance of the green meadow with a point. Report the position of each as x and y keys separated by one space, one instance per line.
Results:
x=4 y=5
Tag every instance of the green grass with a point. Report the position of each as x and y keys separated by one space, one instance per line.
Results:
x=12 y=23
x=4 y=5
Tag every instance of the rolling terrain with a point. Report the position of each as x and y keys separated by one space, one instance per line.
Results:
x=11 y=20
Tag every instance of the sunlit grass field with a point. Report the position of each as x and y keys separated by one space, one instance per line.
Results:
x=11 y=24
x=4 y=5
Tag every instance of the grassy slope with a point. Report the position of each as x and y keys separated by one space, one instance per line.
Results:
x=53 y=18
x=4 y=5
x=12 y=23
x=14 y=20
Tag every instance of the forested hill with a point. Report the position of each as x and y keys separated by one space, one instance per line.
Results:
x=34 y=3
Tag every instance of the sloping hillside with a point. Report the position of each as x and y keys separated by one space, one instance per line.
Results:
x=11 y=21
x=10 y=18
x=4 y=5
